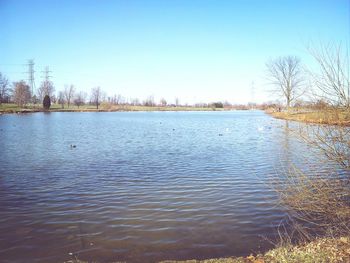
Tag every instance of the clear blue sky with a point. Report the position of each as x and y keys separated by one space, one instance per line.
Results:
x=203 y=50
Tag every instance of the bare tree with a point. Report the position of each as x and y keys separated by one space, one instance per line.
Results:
x=21 y=93
x=69 y=93
x=177 y=101
x=332 y=141
x=163 y=102
x=96 y=94
x=117 y=99
x=61 y=98
x=333 y=78
x=80 y=99
x=149 y=101
x=53 y=98
x=4 y=89
x=286 y=75
x=46 y=88
x=134 y=101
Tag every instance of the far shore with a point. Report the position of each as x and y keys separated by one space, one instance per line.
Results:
x=12 y=108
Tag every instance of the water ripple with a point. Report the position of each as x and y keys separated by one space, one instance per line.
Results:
x=139 y=187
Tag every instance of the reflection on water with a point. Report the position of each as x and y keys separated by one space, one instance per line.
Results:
x=139 y=187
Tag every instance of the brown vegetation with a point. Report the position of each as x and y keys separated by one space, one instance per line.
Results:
x=332 y=117
x=319 y=251
x=323 y=250
x=318 y=205
x=21 y=93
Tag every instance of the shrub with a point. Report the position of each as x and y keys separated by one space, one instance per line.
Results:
x=47 y=102
x=319 y=202
x=217 y=105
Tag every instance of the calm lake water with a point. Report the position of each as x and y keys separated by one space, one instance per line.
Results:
x=140 y=186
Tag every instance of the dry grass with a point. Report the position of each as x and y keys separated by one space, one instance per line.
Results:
x=213 y=260
x=325 y=250
x=331 y=116
x=156 y=108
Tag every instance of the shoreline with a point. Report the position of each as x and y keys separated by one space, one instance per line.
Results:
x=16 y=110
x=329 y=117
x=317 y=251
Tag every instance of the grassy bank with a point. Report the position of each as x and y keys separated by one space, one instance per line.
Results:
x=325 y=250
x=332 y=117
x=13 y=108
x=320 y=250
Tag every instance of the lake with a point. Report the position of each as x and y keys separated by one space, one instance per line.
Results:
x=140 y=186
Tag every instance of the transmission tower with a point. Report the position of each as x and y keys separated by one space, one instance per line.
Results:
x=30 y=72
x=45 y=89
x=46 y=73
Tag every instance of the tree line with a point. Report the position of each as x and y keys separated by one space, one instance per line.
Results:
x=19 y=92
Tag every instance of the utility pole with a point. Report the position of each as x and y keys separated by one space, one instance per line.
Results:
x=31 y=81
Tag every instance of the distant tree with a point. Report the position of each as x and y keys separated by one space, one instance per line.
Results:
x=4 y=89
x=285 y=75
x=299 y=103
x=252 y=105
x=53 y=98
x=177 y=102
x=163 y=102
x=69 y=93
x=46 y=88
x=227 y=104
x=149 y=101
x=321 y=104
x=201 y=105
x=61 y=99
x=96 y=94
x=217 y=105
x=80 y=99
x=117 y=99
x=35 y=100
x=47 y=102
x=135 y=101
x=21 y=94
